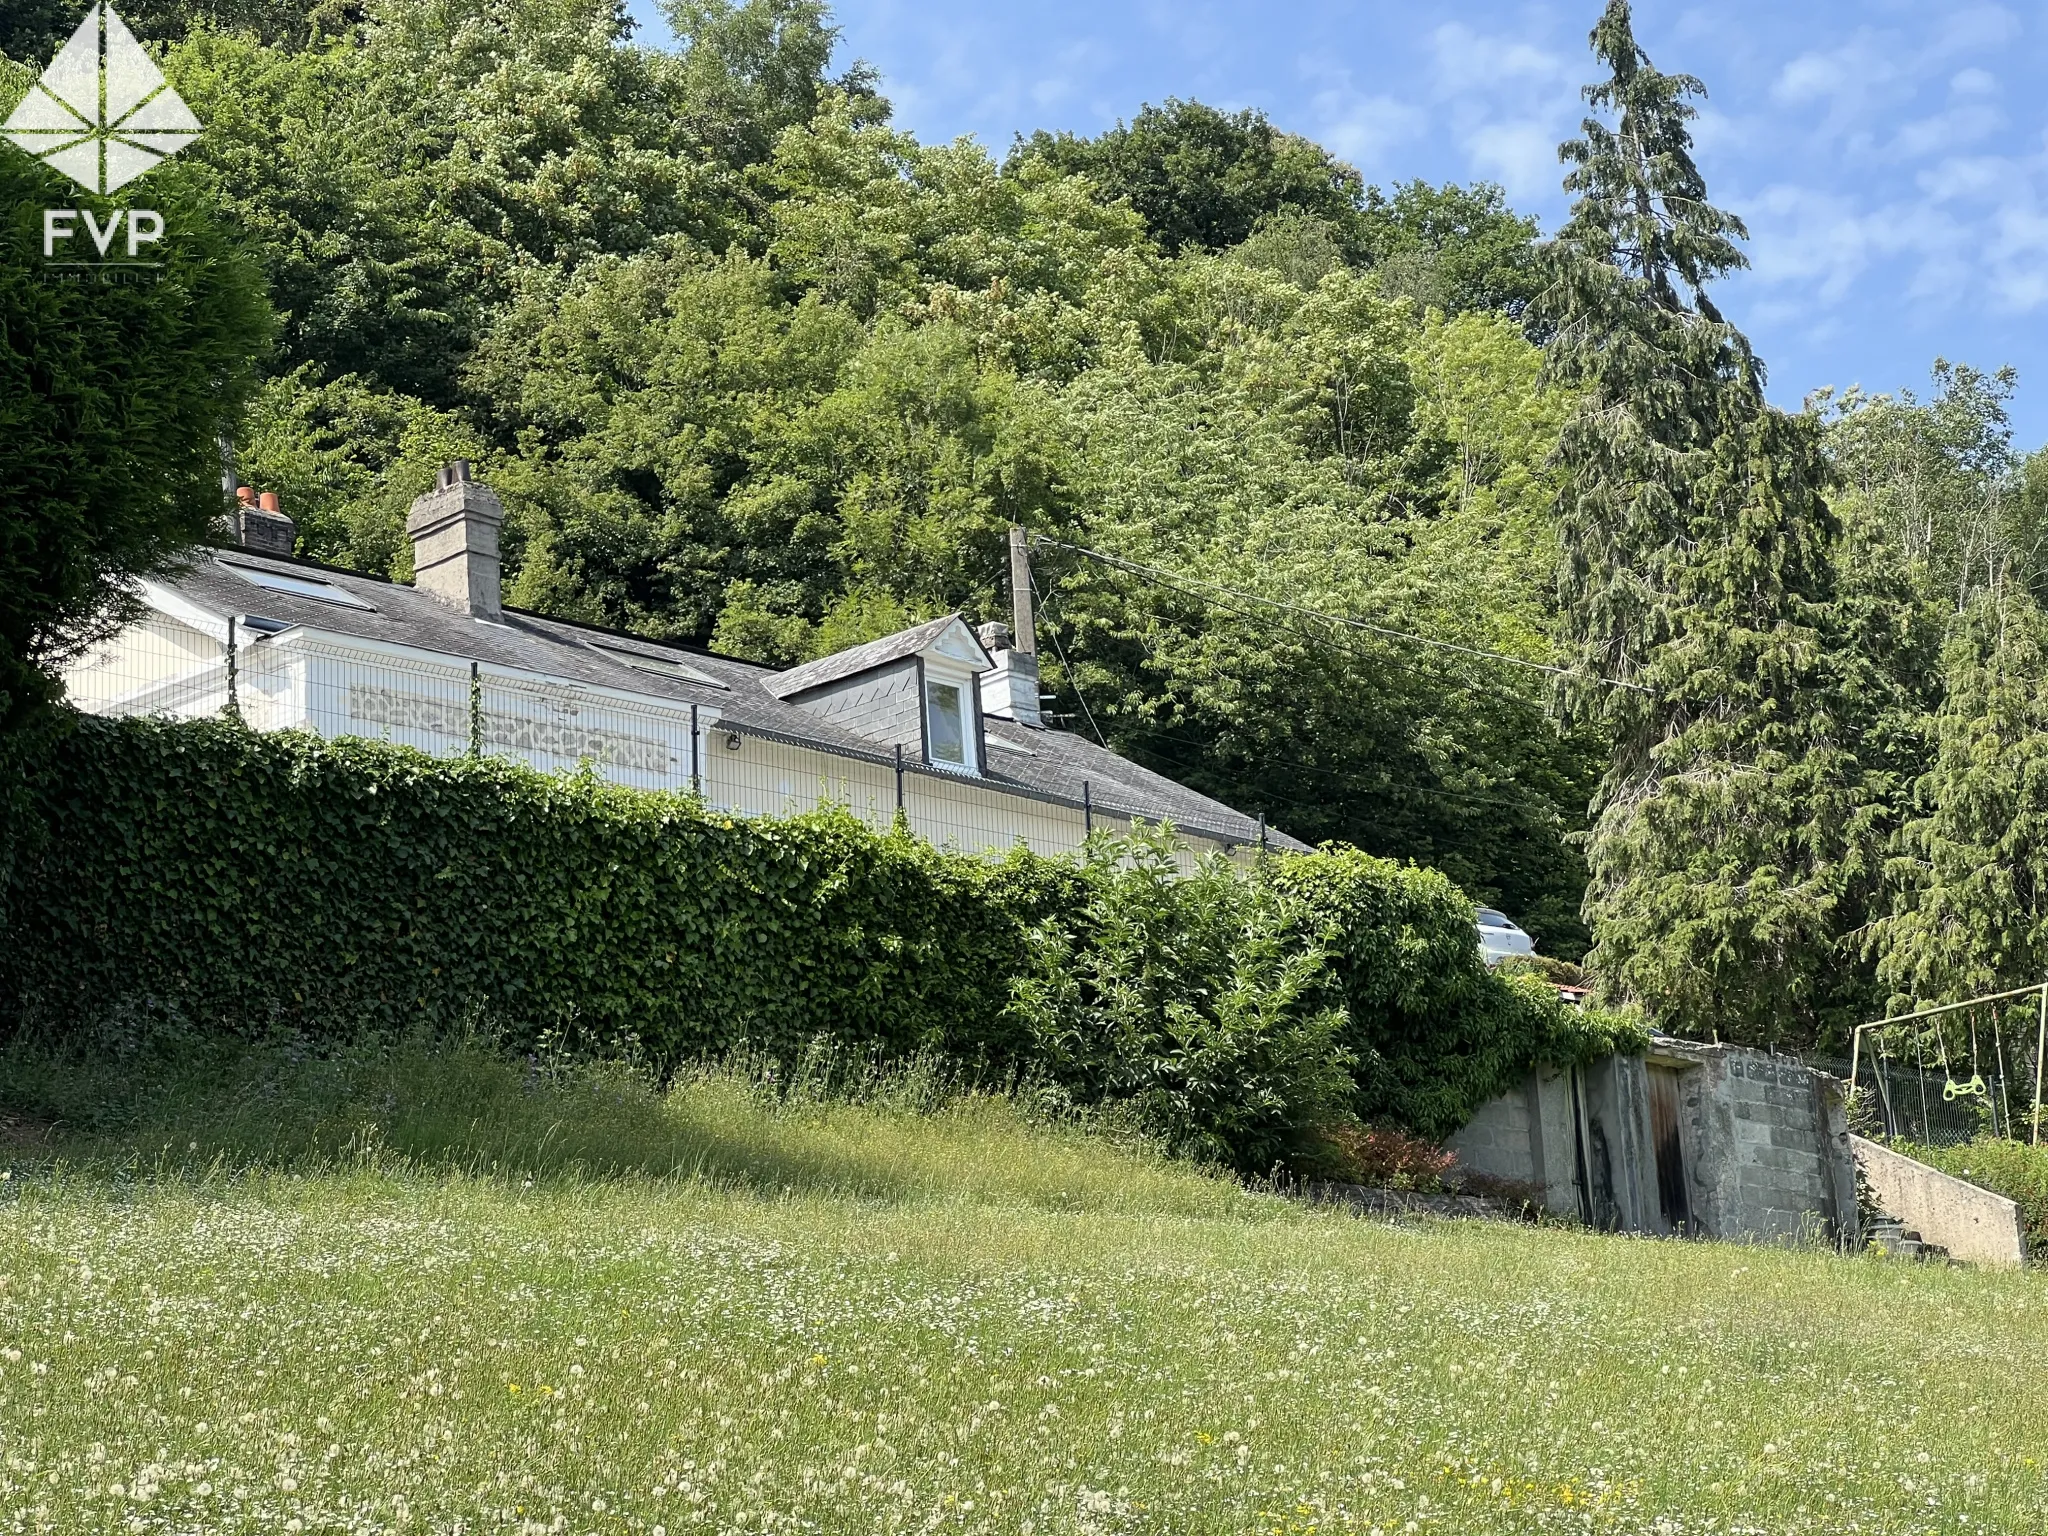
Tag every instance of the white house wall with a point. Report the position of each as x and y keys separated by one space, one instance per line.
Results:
x=154 y=666
x=349 y=687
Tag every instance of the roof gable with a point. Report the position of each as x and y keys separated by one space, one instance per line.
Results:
x=948 y=636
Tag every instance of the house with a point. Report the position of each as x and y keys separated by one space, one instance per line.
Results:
x=940 y=723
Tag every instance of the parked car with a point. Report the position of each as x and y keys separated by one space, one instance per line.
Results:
x=1500 y=938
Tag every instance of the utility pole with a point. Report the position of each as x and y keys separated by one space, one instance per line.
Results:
x=1023 y=638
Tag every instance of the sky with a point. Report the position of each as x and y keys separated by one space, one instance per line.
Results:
x=1890 y=159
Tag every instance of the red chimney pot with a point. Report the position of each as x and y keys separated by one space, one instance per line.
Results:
x=268 y=501
x=245 y=496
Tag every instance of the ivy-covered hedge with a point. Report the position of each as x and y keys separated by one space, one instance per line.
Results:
x=246 y=881
x=1432 y=1032
x=212 y=876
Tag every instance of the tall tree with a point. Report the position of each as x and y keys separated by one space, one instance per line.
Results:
x=1450 y=247
x=1202 y=179
x=113 y=401
x=1969 y=870
x=1695 y=578
x=1939 y=483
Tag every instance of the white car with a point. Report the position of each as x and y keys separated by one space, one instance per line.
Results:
x=1500 y=938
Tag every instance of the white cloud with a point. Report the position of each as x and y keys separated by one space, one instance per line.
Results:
x=1503 y=99
x=1976 y=26
x=1363 y=128
x=1521 y=156
x=1468 y=58
x=1945 y=131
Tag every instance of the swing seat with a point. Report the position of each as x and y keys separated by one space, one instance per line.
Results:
x=1973 y=1089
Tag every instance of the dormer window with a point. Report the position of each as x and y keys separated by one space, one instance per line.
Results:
x=945 y=710
x=919 y=690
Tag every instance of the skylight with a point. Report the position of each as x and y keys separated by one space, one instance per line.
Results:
x=660 y=666
x=298 y=586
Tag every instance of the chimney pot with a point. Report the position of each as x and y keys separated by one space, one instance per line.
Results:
x=268 y=501
x=454 y=530
x=245 y=496
x=994 y=637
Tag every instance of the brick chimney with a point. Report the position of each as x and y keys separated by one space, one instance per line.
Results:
x=260 y=527
x=454 y=530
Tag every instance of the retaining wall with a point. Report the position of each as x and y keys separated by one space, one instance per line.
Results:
x=1973 y=1224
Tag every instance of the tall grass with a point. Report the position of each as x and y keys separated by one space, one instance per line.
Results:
x=408 y=1289
x=828 y=1121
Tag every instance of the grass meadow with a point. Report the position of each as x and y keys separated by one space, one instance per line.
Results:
x=437 y=1291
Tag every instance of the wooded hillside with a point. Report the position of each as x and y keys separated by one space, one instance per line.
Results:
x=753 y=368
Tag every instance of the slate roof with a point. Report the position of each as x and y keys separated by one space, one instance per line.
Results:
x=1047 y=763
x=859 y=659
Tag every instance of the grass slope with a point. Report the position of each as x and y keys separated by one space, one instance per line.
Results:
x=421 y=1292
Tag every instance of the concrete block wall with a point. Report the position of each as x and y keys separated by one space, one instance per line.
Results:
x=1767 y=1144
x=1762 y=1140
x=1528 y=1136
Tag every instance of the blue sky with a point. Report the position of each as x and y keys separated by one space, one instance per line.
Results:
x=1890 y=158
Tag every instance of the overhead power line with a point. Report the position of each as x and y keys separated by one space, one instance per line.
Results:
x=1195 y=586
x=1150 y=732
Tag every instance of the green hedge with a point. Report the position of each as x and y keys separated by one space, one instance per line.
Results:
x=221 y=879
x=211 y=874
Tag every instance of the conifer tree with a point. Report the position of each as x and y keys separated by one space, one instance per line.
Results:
x=1695 y=577
x=1969 y=871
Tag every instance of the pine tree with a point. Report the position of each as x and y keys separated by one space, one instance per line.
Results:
x=1969 y=873
x=1695 y=580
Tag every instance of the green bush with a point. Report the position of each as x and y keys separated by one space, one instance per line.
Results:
x=2013 y=1169
x=1431 y=1032
x=1193 y=999
x=222 y=881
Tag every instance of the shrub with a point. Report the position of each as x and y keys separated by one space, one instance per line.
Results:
x=1431 y=1032
x=1192 y=999
x=219 y=880
x=1382 y=1156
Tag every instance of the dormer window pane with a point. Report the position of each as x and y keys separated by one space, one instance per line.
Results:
x=946 y=724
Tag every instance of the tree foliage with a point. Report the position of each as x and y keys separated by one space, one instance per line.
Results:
x=1697 y=584
x=113 y=402
x=1202 y=179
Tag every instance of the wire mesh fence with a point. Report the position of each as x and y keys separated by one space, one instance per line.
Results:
x=279 y=677
x=1969 y=1071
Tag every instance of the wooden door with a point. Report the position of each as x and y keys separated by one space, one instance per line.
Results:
x=1673 y=1200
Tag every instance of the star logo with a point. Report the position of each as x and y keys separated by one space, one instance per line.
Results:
x=101 y=113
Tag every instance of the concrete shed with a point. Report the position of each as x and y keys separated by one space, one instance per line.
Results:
x=1688 y=1139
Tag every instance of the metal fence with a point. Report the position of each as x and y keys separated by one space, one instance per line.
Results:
x=1942 y=1078
x=274 y=677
